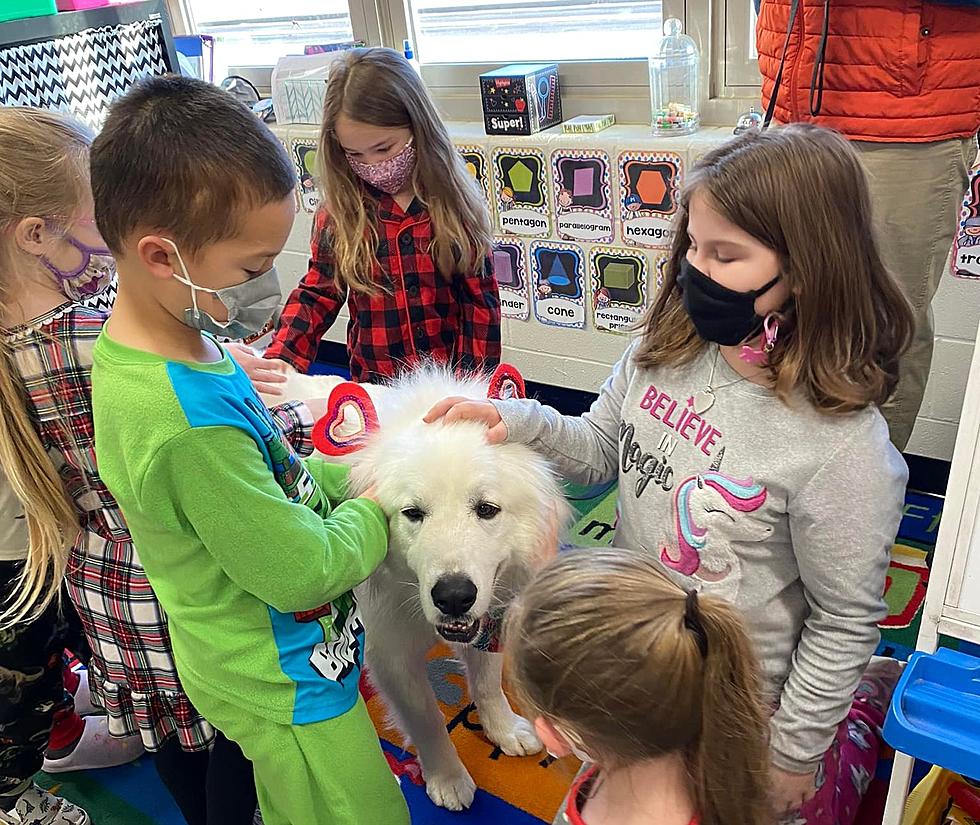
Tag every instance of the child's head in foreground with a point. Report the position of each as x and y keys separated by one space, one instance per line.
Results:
x=189 y=183
x=616 y=663
x=779 y=223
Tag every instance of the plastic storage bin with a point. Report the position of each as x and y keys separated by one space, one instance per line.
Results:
x=674 y=83
x=935 y=711
x=19 y=9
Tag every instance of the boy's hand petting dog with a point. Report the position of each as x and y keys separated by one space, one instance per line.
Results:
x=788 y=792
x=266 y=374
x=451 y=410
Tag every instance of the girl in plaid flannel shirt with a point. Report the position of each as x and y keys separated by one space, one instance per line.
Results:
x=404 y=236
x=57 y=289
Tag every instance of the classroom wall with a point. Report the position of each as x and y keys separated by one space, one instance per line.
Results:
x=581 y=358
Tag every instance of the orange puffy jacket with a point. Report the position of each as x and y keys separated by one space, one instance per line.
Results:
x=892 y=70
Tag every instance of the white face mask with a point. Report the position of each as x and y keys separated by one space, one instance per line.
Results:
x=250 y=304
x=575 y=743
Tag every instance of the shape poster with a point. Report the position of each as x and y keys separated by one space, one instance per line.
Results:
x=619 y=287
x=475 y=159
x=966 y=246
x=557 y=278
x=583 y=195
x=304 y=156
x=521 y=192
x=649 y=184
x=510 y=271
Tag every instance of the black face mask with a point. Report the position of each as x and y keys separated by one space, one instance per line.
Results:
x=719 y=314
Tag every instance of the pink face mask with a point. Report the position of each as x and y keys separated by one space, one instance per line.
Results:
x=389 y=175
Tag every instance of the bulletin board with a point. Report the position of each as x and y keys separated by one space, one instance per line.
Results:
x=80 y=62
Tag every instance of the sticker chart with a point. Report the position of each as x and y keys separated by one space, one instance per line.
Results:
x=619 y=287
x=510 y=271
x=521 y=189
x=649 y=184
x=304 y=156
x=476 y=164
x=558 y=283
x=582 y=194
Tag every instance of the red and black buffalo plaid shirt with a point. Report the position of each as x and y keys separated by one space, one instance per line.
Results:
x=418 y=313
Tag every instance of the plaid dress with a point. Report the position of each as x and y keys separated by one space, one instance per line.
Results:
x=417 y=315
x=132 y=674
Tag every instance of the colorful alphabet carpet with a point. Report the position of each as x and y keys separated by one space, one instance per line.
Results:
x=518 y=791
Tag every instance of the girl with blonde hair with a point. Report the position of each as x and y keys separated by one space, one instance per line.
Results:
x=658 y=690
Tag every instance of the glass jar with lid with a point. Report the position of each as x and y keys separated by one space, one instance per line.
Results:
x=674 y=82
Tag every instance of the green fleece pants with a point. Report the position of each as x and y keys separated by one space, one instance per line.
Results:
x=327 y=773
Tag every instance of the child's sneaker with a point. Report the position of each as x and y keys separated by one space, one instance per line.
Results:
x=83 y=696
x=97 y=749
x=37 y=807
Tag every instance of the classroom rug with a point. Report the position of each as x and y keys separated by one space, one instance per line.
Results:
x=520 y=791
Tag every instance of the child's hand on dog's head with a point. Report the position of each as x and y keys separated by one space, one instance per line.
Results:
x=451 y=410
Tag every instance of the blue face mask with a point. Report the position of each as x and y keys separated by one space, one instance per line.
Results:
x=250 y=304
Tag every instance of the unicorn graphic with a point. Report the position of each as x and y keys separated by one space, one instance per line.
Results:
x=706 y=521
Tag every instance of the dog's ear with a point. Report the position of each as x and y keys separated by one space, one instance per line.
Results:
x=350 y=419
x=506 y=382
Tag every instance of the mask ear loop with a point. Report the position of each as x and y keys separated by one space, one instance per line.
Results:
x=186 y=279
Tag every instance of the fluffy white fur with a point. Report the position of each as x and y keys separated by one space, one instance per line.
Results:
x=445 y=472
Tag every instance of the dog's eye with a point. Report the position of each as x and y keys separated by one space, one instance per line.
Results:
x=486 y=510
x=415 y=514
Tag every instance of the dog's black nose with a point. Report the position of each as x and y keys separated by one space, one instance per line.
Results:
x=454 y=595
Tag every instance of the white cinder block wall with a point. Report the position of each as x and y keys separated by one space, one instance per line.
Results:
x=581 y=359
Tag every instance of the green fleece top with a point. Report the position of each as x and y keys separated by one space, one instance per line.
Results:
x=251 y=551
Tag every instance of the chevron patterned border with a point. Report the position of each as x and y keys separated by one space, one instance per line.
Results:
x=82 y=73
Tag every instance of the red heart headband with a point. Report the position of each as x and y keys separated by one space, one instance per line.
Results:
x=336 y=434
x=506 y=382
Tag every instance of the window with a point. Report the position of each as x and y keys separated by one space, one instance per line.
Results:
x=601 y=45
x=507 y=31
x=259 y=32
x=740 y=58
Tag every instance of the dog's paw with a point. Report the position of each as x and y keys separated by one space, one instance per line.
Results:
x=515 y=736
x=454 y=792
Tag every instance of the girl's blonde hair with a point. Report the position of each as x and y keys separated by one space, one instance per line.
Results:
x=33 y=139
x=379 y=87
x=801 y=191
x=603 y=644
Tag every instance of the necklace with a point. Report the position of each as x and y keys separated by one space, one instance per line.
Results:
x=704 y=400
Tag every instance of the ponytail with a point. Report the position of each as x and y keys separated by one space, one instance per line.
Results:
x=52 y=520
x=729 y=762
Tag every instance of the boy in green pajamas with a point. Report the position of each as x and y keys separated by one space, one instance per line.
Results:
x=252 y=552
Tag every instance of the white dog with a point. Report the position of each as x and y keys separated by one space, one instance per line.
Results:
x=467 y=522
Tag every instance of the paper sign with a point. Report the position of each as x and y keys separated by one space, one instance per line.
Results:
x=966 y=246
x=476 y=164
x=510 y=271
x=558 y=283
x=649 y=184
x=521 y=192
x=619 y=287
x=304 y=158
x=582 y=192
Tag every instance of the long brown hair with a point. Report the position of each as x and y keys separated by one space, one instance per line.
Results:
x=801 y=191
x=604 y=644
x=379 y=87
x=32 y=139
